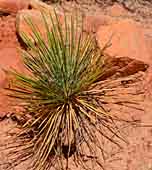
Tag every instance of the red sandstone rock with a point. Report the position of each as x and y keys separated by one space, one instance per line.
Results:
x=122 y=66
x=112 y=15
x=8 y=36
x=40 y=6
x=2 y=78
x=37 y=19
x=13 y=6
x=117 y=11
x=93 y=22
x=9 y=58
x=127 y=40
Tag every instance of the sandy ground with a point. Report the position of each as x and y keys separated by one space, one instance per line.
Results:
x=136 y=155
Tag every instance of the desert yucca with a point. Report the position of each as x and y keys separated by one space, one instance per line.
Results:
x=64 y=98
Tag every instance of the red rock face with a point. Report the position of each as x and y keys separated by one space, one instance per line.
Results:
x=9 y=57
x=117 y=11
x=36 y=17
x=92 y=23
x=127 y=40
x=8 y=32
x=13 y=6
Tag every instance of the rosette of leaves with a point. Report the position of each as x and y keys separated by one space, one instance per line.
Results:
x=63 y=96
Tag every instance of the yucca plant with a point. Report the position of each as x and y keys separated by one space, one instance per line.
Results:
x=64 y=98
